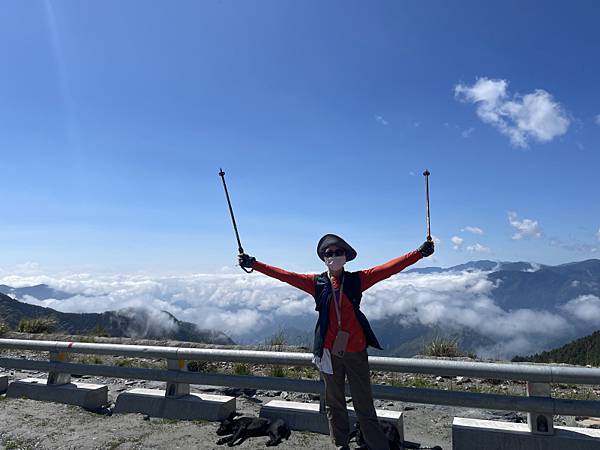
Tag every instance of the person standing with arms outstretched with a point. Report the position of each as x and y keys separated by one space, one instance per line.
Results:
x=342 y=332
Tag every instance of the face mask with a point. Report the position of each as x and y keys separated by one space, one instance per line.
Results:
x=335 y=263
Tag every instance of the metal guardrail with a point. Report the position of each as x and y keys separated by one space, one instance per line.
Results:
x=501 y=371
x=523 y=372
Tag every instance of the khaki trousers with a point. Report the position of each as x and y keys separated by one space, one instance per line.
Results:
x=355 y=366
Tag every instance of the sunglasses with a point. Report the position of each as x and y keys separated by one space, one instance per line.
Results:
x=330 y=253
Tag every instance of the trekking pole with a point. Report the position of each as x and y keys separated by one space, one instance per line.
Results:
x=237 y=235
x=426 y=175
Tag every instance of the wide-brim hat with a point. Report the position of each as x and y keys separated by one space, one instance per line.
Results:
x=332 y=239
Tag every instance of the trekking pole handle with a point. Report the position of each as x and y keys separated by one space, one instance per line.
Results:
x=247 y=270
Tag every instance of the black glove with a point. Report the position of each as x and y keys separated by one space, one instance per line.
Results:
x=246 y=260
x=427 y=249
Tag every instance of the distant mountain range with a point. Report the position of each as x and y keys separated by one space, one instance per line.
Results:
x=484 y=264
x=535 y=286
x=518 y=285
x=548 y=287
x=39 y=291
x=125 y=323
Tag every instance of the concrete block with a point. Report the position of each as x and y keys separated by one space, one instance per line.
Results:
x=86 y=395
x=190 y=407
x=3 y=383
x=474 y=434
x=306 y=416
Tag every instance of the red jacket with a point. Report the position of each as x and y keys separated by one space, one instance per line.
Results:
x=368 y=278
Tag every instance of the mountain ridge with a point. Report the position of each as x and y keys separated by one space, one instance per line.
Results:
x=39 y=291
x=517 y=287
x=126 y=323
x=582 y=352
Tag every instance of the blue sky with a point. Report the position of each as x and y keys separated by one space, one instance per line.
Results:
x=116 y=116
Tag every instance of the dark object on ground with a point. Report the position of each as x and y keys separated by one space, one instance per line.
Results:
x=278 y=431
x=102 y=410
x=509 y=417
x=407 y=445
x=391 y=433
x=389 y=430
x=237 y=392
x=241 y=428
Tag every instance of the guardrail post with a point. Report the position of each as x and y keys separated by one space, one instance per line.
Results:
x=176 y=390
x=539 y=423
x=58 y=378
x=322 y=409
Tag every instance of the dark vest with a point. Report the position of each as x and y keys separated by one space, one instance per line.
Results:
x=322 y=301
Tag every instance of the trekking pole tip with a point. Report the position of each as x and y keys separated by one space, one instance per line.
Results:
x=426 y=173
x=221 y=173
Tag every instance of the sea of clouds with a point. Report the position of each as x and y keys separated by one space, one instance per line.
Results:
x=250 y=306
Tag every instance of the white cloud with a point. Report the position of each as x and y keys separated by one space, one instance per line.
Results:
x=239 y=305
x=523 y=118
x=478 y=248
x=473 y=230
x=251 y=307
x=459 y=300
x=585 y=308
x=381 y=120
x=27 y=268
x=457 y=241
x=526 y=228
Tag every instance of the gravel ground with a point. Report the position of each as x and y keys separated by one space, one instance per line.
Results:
x=29 y=424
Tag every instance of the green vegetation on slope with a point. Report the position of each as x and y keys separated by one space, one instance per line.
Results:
x=583 y=351
x=36 y=325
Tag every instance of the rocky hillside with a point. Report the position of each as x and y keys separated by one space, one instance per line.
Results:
x=128 y=323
